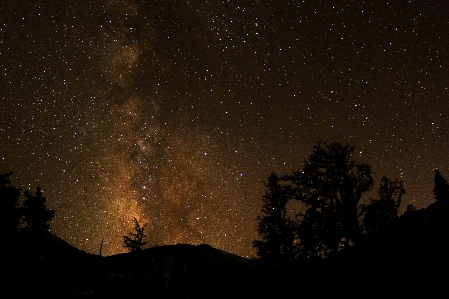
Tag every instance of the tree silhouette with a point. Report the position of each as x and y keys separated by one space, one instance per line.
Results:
x=381 y=212
x=9 y=210
x=274 y=227
x=135 y=240
x=441 y=188
x=36 y=214
x=330 y=185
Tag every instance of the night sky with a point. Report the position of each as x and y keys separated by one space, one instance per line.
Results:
x=175 y=112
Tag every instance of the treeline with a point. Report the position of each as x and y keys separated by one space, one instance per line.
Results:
x=32 y=215
x=329 y=189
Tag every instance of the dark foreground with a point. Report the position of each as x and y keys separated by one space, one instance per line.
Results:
x=410 y=258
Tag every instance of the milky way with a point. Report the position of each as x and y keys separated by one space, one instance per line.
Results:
x=175 y=112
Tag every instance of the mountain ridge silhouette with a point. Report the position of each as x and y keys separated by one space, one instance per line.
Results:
x=409 y=256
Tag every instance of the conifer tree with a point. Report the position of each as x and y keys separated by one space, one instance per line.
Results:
x=36 y=214
x=379 y=213
x=330 y=185
x=9 y=209
x=135 y=240
x=441 y=188
x=275 y=229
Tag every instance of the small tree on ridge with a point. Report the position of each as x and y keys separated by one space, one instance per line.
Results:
x=135 y=240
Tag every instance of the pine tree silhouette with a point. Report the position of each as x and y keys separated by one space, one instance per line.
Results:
x=382 y=211
x=330 y=185
x=441 y=188
x=36 y=214
x=135 y=240
x=274 y=227
x=9 y=210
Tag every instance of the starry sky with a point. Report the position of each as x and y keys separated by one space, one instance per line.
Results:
x=175 y=112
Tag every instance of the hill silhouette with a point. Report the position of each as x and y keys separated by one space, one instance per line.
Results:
x=408 y=256
x=49 y=266
x=182 y=270
x=44 y=265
